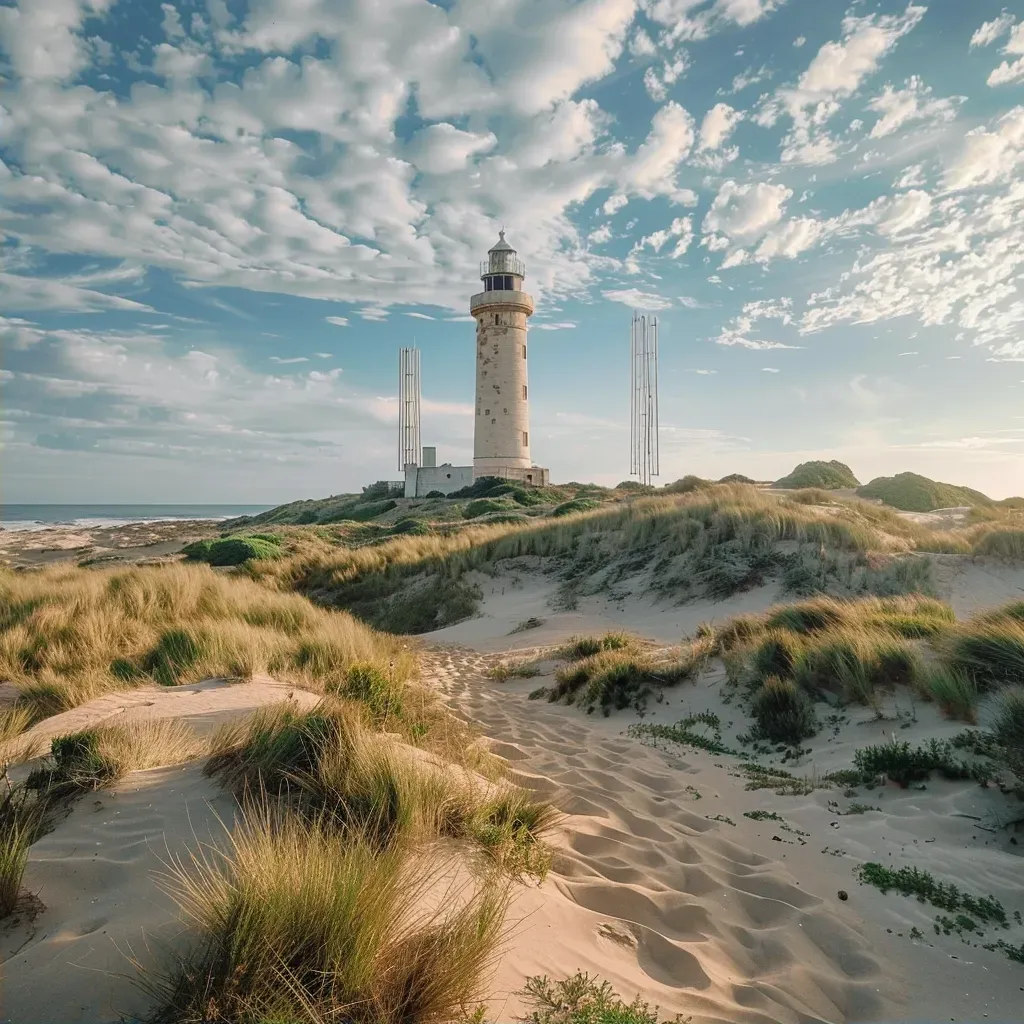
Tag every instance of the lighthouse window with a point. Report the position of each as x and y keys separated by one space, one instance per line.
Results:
x=524 y=351
x=524 y=392
x=526 y=439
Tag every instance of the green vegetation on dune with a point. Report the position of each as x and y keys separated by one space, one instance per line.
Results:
x=581 y=999
x=825 y=475
x=910 y=492
x=236 y=550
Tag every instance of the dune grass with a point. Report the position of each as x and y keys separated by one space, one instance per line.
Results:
x=72 y=634
x=783 y=712
x=625 y=677
x=955 y=692
x=334 y=769
x=102 y=755
x=989 y=649
x=579 y=647
x=22 y=815
x=1007 y=713
x=299 y=922
x=13 y=722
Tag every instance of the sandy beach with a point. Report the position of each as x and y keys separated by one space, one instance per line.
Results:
x=662 y=881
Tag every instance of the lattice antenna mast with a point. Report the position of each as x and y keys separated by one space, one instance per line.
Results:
x=643 y=380
x=408 y=407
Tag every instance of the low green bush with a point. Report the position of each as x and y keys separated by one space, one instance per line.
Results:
x=1007 y=710
x=483 y=506
x=904 y=764
x=783 y=712
x=567 y=508
x=583 y=1000
x=233 y=550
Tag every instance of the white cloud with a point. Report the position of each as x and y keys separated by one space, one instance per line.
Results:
x=914 y=102
x=836 y=72
x=636 y=299
x=339 y=321
x=600 y=235
x=19 y=292
x=375 y=313
x=904 y=212
x=990 y=31
x=652 y=169
x=799 y=41
x=790 y=238
x=444 y=149
x=614 y=203
x=769 y=369
x=1010 y=71
x=295 y=359
x=558 y=326
x=718 y=124
x=989 y=156
x=641 y=44
x=420 y=316
x=737 y=331
x=746 y=211
x=171 y=24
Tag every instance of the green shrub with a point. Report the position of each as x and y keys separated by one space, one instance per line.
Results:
x=991 y=651
x=417 y=527
x=575 y=505
x=233 y=550
x=365 y=683
x=434 y=494
x=945 y=895
x=582 y=1000
x=911 y=492
x=483 y=506
x=826 y=475
x=904 y=764
x=736 y=478
x=783 y=712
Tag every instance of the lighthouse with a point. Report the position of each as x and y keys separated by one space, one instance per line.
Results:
x=501 y=421
x=501 y=435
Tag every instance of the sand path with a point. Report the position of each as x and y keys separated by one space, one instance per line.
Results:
x=728 y=924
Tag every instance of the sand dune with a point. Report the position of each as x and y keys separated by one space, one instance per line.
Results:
x=660 y=884
x=738 y=922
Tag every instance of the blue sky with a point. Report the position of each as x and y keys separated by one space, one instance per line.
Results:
x=220 y=219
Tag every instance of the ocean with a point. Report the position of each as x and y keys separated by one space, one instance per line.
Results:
x=39 y=517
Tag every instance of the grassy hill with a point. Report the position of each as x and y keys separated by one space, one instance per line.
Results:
x=913 y=493
x=827 y=475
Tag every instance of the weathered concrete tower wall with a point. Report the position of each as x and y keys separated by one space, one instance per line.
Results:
x=501 y=441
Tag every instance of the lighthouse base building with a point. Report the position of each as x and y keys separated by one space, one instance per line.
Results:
x=501 y=431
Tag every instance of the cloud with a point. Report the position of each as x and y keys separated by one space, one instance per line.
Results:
x=420 y=316
x=768 y=369
x=18 y=292
x=1009 y=72
x=636 y=299
x=294 y=359
x=836 y=72
x=988 y=156
x=737 y=331
x=718 y=124
x=745 y=211
x=561 y=326
x=444 y=149
x=338 y=321
x=914 y=102
x=989 y=31
x=651 y=171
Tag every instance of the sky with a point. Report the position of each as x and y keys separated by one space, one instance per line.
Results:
x=220 y=219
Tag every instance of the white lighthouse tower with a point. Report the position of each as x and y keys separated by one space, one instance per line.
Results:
x=501 y=437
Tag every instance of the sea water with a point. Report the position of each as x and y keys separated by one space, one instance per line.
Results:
x=40 y=517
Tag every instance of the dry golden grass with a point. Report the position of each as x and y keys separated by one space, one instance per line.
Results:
x=302 y=923
x=70 y=634
x=100 y=756
x=328 y=764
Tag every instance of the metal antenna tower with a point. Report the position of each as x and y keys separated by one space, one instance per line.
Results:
x=643 y=379
x=408 y=407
